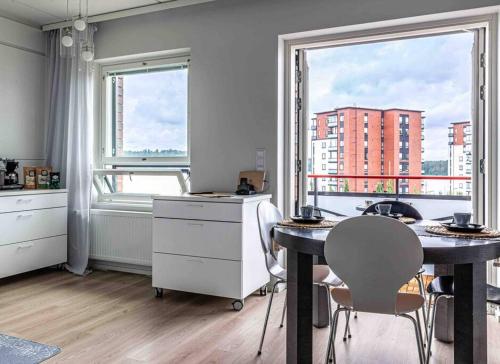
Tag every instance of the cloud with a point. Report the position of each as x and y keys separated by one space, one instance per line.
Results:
x=155 y=110
x=429 y=73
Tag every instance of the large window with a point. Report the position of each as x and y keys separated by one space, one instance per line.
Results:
x=144 y=141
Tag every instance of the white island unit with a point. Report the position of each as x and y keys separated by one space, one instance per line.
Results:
x=33 y=230
x=208 y=245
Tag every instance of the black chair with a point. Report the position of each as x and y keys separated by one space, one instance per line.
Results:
x=443 y=286
x=398 y=207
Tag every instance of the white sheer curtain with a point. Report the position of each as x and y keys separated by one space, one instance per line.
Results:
x=69 y=139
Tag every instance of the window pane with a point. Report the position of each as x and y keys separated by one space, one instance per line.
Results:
x=149 y=114
x=141 y=184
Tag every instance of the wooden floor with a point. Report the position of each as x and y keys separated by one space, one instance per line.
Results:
x=110 y=317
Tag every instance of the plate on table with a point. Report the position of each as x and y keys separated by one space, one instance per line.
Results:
x=307 y=220
x=469 y=228
x=394 y=216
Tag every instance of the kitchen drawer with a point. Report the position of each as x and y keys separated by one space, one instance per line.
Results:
x=199 y=275
x=198 y=210
x=197 y=237
x=32 y=202
x=29 y=225
x=26 y=256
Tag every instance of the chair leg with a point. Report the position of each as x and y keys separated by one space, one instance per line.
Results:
x=422 y=341
x=432 y=317
x=347 y=329
x=331 y=338
x=418 y=335
x=421 y=288
x=267 y=317
x=283 y=313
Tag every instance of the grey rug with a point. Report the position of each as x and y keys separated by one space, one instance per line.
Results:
x=19 y=351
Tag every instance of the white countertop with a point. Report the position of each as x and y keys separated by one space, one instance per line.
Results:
x=232 y=199
x=30 y=192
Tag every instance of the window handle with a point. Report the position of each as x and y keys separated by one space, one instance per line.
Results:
x=23 y=201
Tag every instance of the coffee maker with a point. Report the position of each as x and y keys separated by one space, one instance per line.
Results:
x=9 y=178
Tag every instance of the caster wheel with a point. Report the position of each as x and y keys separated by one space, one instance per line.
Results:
x=344 y=339
x=158 y=292
x=237 y=305
x=263 y=291
x=349 y=337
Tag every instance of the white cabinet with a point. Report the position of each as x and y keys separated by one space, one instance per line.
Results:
x=208 y=245
x=33 y=230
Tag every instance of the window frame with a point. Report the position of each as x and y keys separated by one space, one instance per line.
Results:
x=139 y=64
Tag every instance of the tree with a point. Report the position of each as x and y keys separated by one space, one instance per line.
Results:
x=379 y=188
x=346 y=185
x=390 y=186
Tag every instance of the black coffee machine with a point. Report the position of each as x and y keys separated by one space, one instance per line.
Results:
x=9 y=178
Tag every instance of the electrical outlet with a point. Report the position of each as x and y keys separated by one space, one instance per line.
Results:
x=260 y=160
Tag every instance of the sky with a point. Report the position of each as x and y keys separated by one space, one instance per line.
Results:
x=433 y=74
x=155 y=111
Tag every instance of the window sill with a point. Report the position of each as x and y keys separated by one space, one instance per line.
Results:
x=123 y=206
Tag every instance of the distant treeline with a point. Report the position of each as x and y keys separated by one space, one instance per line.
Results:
x=155 y=153
x=435 y=168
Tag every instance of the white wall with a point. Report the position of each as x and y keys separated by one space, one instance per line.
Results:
x=22 y=92
x=234 y=74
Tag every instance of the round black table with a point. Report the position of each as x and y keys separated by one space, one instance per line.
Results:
x=468 y=256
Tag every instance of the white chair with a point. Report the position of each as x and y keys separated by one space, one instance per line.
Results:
x=375 y=256
x=268 y=216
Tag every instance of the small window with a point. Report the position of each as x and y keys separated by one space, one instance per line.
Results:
x=323 y=167
x=323 y=156
x=144 y=133
x=323 y=144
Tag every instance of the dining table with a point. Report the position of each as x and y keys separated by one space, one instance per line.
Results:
x=468 y=257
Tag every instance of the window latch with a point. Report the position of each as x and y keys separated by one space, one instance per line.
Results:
x=482 y=166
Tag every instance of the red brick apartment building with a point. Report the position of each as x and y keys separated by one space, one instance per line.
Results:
x=364 y=141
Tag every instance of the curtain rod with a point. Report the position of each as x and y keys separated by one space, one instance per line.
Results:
x=172 y=4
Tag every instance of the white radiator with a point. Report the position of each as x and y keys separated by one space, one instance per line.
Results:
x=121 y=237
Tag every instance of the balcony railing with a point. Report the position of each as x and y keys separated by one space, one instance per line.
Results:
x=439 y=207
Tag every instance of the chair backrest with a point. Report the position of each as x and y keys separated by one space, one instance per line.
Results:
x=374 y=256
x=268 y=216
x=398 y=207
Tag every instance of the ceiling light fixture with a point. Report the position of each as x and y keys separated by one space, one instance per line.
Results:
x=81 y=23
x=67 y=37
x=67 y=34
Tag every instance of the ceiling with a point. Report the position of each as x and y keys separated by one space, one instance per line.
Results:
x=43 y=12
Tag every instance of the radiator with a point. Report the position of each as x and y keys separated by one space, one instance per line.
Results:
x=121 y=237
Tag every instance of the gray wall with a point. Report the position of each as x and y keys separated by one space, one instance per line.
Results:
x=22 y=92
x=234 y=48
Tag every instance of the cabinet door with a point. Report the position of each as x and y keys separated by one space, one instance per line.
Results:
x=198 y=275
x=214 y=211
x=32 y=202
x=31 y=225
x=31 y=255
x=199 y=238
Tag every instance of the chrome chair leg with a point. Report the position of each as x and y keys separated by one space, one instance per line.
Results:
x=283 y=313
x=418 y=334
x=347 y=329
x=421 y=288
x=330 y=352
x=267 y=316
x=422 y=341
x=432 y=317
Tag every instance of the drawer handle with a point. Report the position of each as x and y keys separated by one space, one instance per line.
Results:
x=195 y=224
x=25 y=246
x=22 y=201
x=24 y=217
x=194 y=260
x=194 y=205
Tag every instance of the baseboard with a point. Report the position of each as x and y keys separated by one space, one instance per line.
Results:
x=120 y=267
